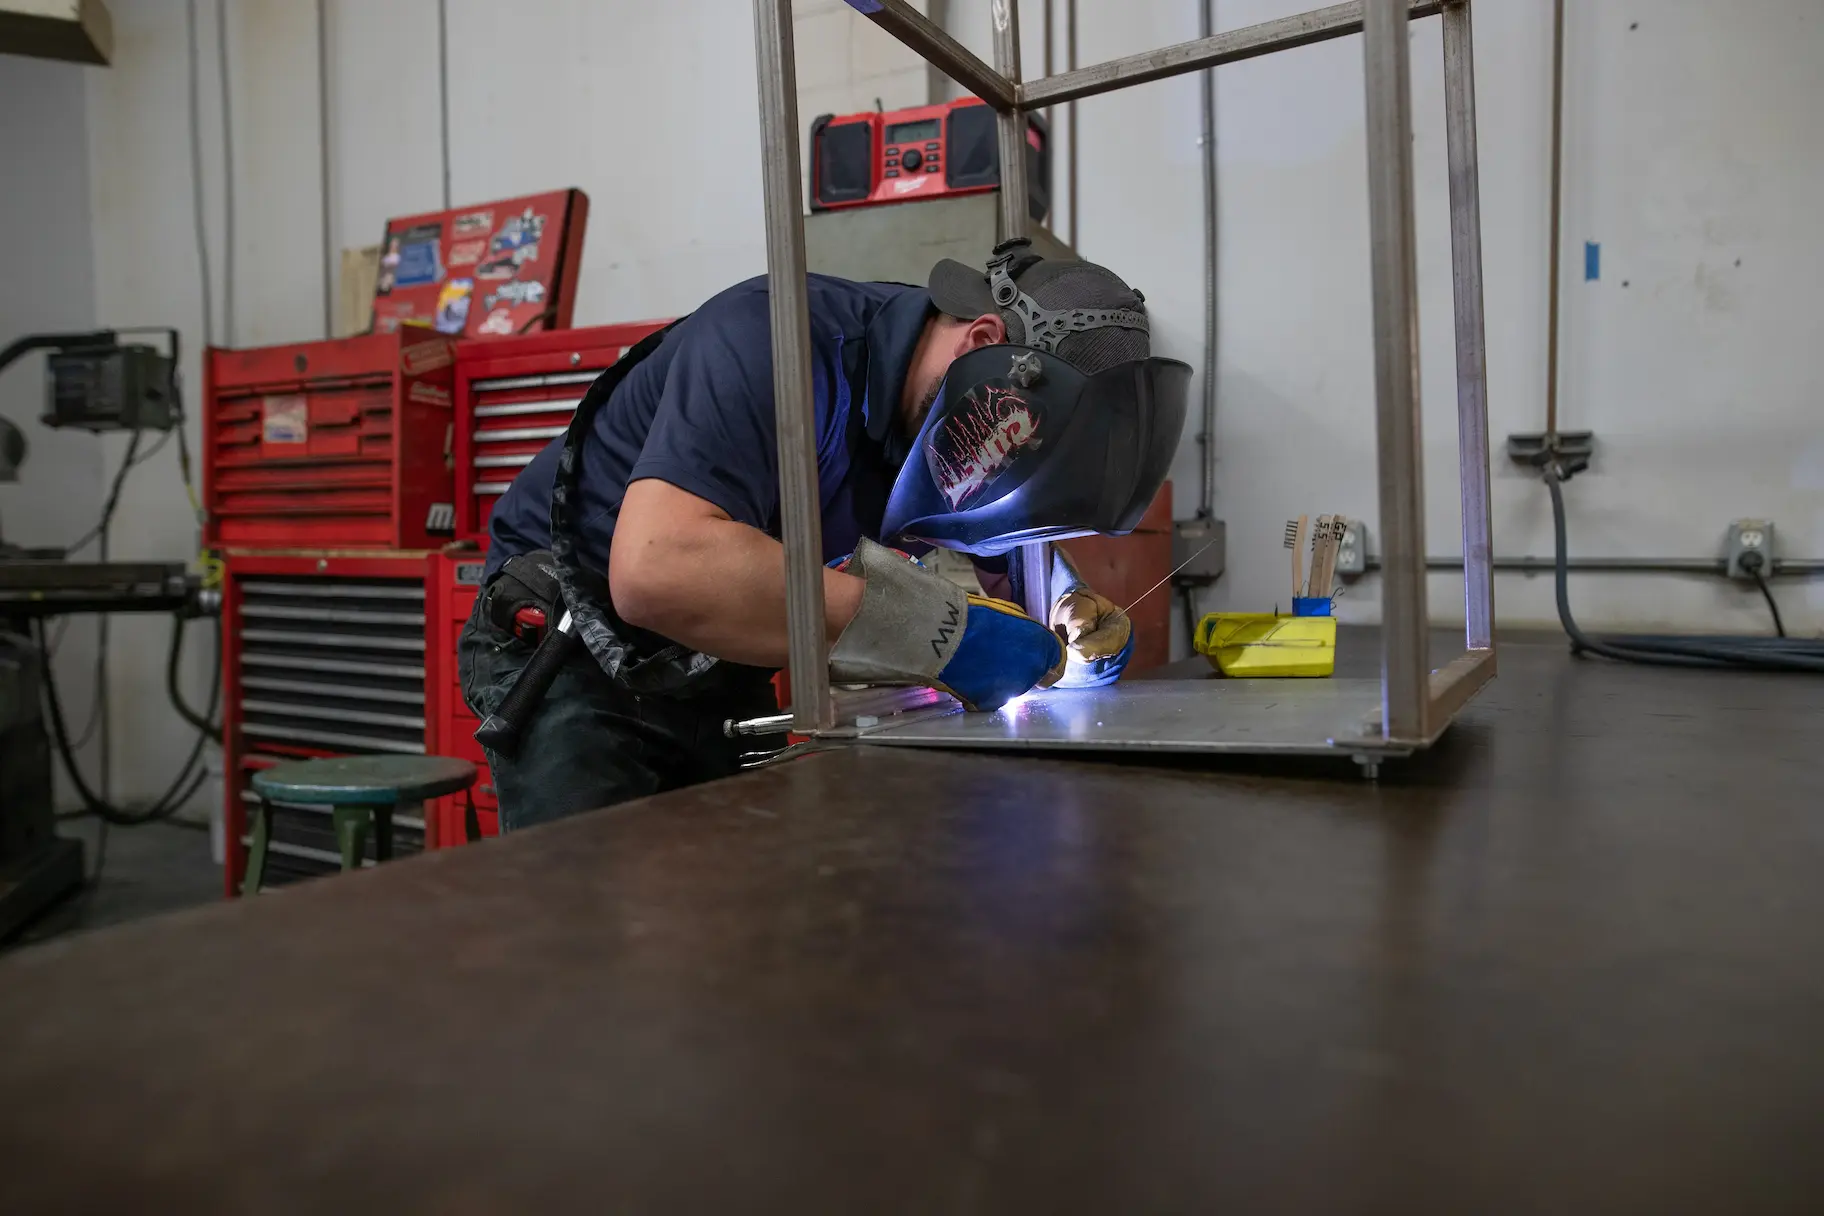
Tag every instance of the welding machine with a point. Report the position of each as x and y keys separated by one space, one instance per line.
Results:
x=920 y=153
x=96 y=382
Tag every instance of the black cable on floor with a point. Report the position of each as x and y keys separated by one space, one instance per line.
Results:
x=1671 y=650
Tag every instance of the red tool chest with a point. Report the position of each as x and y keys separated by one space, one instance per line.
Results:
x=322 y=656
x=455 y=582
x=342 y=444
x=1130 y=570
x=514 y=396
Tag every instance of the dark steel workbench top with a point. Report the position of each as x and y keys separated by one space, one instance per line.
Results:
x=1571 y=961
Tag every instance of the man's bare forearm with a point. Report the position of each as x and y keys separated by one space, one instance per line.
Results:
x=715 y=585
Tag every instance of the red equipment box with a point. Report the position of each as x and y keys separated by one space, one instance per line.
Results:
x=455 y=582
x=919 y=153
x=322 y=656
x=489 y=270
x=516 y=395
x=336 y=445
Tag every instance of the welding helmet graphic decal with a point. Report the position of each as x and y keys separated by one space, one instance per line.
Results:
x=1021 y=446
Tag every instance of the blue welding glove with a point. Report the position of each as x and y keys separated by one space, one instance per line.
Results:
x=916 y=627
x=1097 y=633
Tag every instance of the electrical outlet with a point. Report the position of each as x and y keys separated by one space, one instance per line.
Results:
x=1750 y=549
x=1199 y=551
x=1352 y=551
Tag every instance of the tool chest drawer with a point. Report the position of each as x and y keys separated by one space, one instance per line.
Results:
x=323 y=656
x=514 y=396
x=340 y=444
x=455 y=582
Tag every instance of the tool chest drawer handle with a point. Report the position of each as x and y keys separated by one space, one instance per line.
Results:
x=518 y=408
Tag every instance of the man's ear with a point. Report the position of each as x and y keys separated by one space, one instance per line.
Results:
x=985 y=330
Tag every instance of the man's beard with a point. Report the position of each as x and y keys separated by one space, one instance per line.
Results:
x=925 y=404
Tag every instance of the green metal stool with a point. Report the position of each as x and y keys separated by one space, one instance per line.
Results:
x=361 y=792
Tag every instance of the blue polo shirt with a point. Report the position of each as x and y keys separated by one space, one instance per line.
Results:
x=698 y=413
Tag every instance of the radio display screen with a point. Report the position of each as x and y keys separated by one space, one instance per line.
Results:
x=914 y=132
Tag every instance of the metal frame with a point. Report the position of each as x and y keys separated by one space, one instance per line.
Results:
x=1416 y=703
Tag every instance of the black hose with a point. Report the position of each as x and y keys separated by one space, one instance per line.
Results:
x=31 y=342
x=172 y=659
x=107 y=508
x=182 y=787
x=1673 y=650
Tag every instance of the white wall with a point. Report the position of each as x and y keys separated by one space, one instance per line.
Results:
x=1690 y=145
x=147 y=273
x=44 y=208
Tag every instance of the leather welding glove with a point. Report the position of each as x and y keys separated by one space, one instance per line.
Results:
x=1097 y=633
x=917 y=627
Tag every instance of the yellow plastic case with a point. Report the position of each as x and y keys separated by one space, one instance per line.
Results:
x=1263 y=644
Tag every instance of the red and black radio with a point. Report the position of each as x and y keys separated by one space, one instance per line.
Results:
x=923 y=152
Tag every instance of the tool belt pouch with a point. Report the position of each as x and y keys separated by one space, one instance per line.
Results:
x=526 y=581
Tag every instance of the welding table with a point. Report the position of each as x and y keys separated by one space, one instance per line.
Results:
x=1566 y=961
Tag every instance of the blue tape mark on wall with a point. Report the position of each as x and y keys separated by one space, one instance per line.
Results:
x=1592 y=261
x=866 y=6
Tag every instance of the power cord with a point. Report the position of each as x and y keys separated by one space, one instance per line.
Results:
x=1752 y=563
x=1714 y=653
x=113 y=500
x=183 y=787
x=202 y=722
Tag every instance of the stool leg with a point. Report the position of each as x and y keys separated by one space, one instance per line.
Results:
x=351 y=834
x=471 y=823
x=383 y=833
x=256 y=852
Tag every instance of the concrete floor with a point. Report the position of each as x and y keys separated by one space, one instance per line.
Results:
x=160 y=867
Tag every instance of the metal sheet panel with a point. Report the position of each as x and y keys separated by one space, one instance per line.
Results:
x=1311 y=717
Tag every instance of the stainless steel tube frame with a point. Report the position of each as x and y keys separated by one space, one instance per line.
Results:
x=1472 y=347
x=1405 y=702
x=1416 y=703
x=801 y=523
x=1230 y=46
x=1035 y=559
x=931 y=42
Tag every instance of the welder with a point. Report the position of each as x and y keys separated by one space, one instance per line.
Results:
x=983 y=411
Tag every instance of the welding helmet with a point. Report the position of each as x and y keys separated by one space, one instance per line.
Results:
x=1067 y=429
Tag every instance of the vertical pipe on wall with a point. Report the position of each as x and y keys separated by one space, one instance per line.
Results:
x=1551 y=321
x=1206 y=434
x=221 y=63
x=443 y=94
x=329 y=277
x=199 y=217
x=1070 y=114
x=1472 y=351
x=801 y=525
x=937 y=85
x=1405 y=687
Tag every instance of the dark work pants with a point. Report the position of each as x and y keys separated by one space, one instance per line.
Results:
x=593 y=742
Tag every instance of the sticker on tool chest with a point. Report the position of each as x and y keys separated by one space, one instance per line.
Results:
x=284 y=420
x=426 y=357
x=468 y=574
